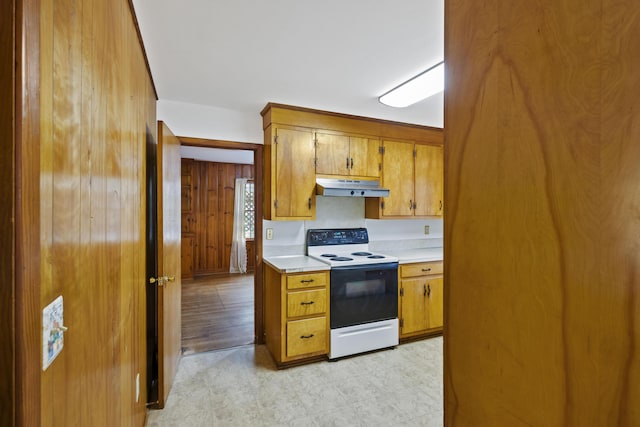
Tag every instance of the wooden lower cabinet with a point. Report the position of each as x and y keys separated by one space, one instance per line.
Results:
x=296 y=315
x=420 y=298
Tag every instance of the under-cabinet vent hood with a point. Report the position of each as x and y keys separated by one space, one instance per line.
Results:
x=350 y=188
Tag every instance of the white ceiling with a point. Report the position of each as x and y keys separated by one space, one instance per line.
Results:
x=334 y=55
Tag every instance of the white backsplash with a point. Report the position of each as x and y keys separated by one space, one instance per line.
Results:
x=348 y=212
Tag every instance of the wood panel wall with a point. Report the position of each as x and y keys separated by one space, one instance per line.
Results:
x=211 y=222
x=542 y=229
x=7 y=232
x=86 y=102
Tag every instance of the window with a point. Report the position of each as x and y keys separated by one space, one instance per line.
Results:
x=249 y=211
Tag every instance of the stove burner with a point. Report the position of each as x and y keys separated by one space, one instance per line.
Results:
x=341 y=258
x=329 y=255
x=361 y=253
x=376 y=256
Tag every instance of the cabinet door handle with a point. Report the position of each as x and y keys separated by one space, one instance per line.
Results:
x=425 y=290
x=426 y=269
x=415 y=205
x=440 y=204
x=410 y=204
x=306 y=281
x=352 y=163
x=306 y=302
x=429 y=290
x=306 y=336
x=309 y=202
x=347 y=163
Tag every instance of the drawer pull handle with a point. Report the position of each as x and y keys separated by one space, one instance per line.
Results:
x=306 y=303
x=306 y=336
x=306 y=281
x=426 y=269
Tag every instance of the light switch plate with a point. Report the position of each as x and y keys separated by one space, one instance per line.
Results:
x=52 y=331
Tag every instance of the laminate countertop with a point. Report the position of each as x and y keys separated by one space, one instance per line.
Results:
x=295 y=263
x=406 y=256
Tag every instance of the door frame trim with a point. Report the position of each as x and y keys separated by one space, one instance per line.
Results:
x=258 y=158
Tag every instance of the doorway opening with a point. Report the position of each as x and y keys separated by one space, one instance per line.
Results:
x=220 y=308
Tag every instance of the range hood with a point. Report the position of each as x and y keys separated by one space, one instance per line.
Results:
x=350 y=188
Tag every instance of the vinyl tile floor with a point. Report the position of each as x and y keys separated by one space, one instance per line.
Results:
x=242 y=387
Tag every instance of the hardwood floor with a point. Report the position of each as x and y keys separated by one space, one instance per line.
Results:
x=217 y=312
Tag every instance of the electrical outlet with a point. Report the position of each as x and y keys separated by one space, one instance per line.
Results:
x=426 y=229
x=269 y=233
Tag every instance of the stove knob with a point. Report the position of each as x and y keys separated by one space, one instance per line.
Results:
x=352 y=192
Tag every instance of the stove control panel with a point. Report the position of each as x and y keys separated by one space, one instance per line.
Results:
x=337 y=236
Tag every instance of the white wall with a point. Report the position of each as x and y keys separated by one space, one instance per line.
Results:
x=201 y=121
x=346 y=212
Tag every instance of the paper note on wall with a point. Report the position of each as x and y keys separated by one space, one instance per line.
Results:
x=52 y=331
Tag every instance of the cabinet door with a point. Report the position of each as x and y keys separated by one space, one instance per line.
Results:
x=414 y=305
x=397 y=176
x=295 y=178
x=332 y=154
x=364 y=157
x=428 y=180
x=435 y=304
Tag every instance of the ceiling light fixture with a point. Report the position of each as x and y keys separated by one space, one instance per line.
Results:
x=422 y=86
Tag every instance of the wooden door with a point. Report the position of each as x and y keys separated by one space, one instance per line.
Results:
x=397 y=176
x=414 y=300
x=435 y=306
x=295 y=174
x=169 y=291
x=365 y=153
x=428 y=180
x=332 y=154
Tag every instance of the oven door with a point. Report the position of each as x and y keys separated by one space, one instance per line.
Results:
x=363 y=293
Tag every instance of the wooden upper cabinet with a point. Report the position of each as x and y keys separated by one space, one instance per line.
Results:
x=332 y=154
x=429 y=177
x=397 y=176
x=413 y=173
x=349 y=156
x=290 y=175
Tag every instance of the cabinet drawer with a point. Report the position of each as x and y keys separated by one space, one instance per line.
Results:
x=421 y=269
x=306 y=336
x=311 y=280
x=305 y=303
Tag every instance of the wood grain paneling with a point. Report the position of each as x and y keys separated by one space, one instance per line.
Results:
x=85 y=102
x=542 y=231
x=27 y=213
x=208 y=211
x=7 y=231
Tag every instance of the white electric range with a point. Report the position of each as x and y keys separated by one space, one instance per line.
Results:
x=363 y=290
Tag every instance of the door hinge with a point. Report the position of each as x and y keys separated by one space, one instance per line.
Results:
x=382 y=204
x=401 y=323
x=275 y=204
x=275 y=139
x=315 y=162
x=379 y=166
x=401 y=292
x=415 y=152
x=381 y=150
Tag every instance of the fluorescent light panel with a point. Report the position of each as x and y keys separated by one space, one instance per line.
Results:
x=420 y=87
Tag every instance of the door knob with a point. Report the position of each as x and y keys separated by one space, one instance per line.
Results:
x=158 y=280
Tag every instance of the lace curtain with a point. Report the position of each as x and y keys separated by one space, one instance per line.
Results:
x=239 y=244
